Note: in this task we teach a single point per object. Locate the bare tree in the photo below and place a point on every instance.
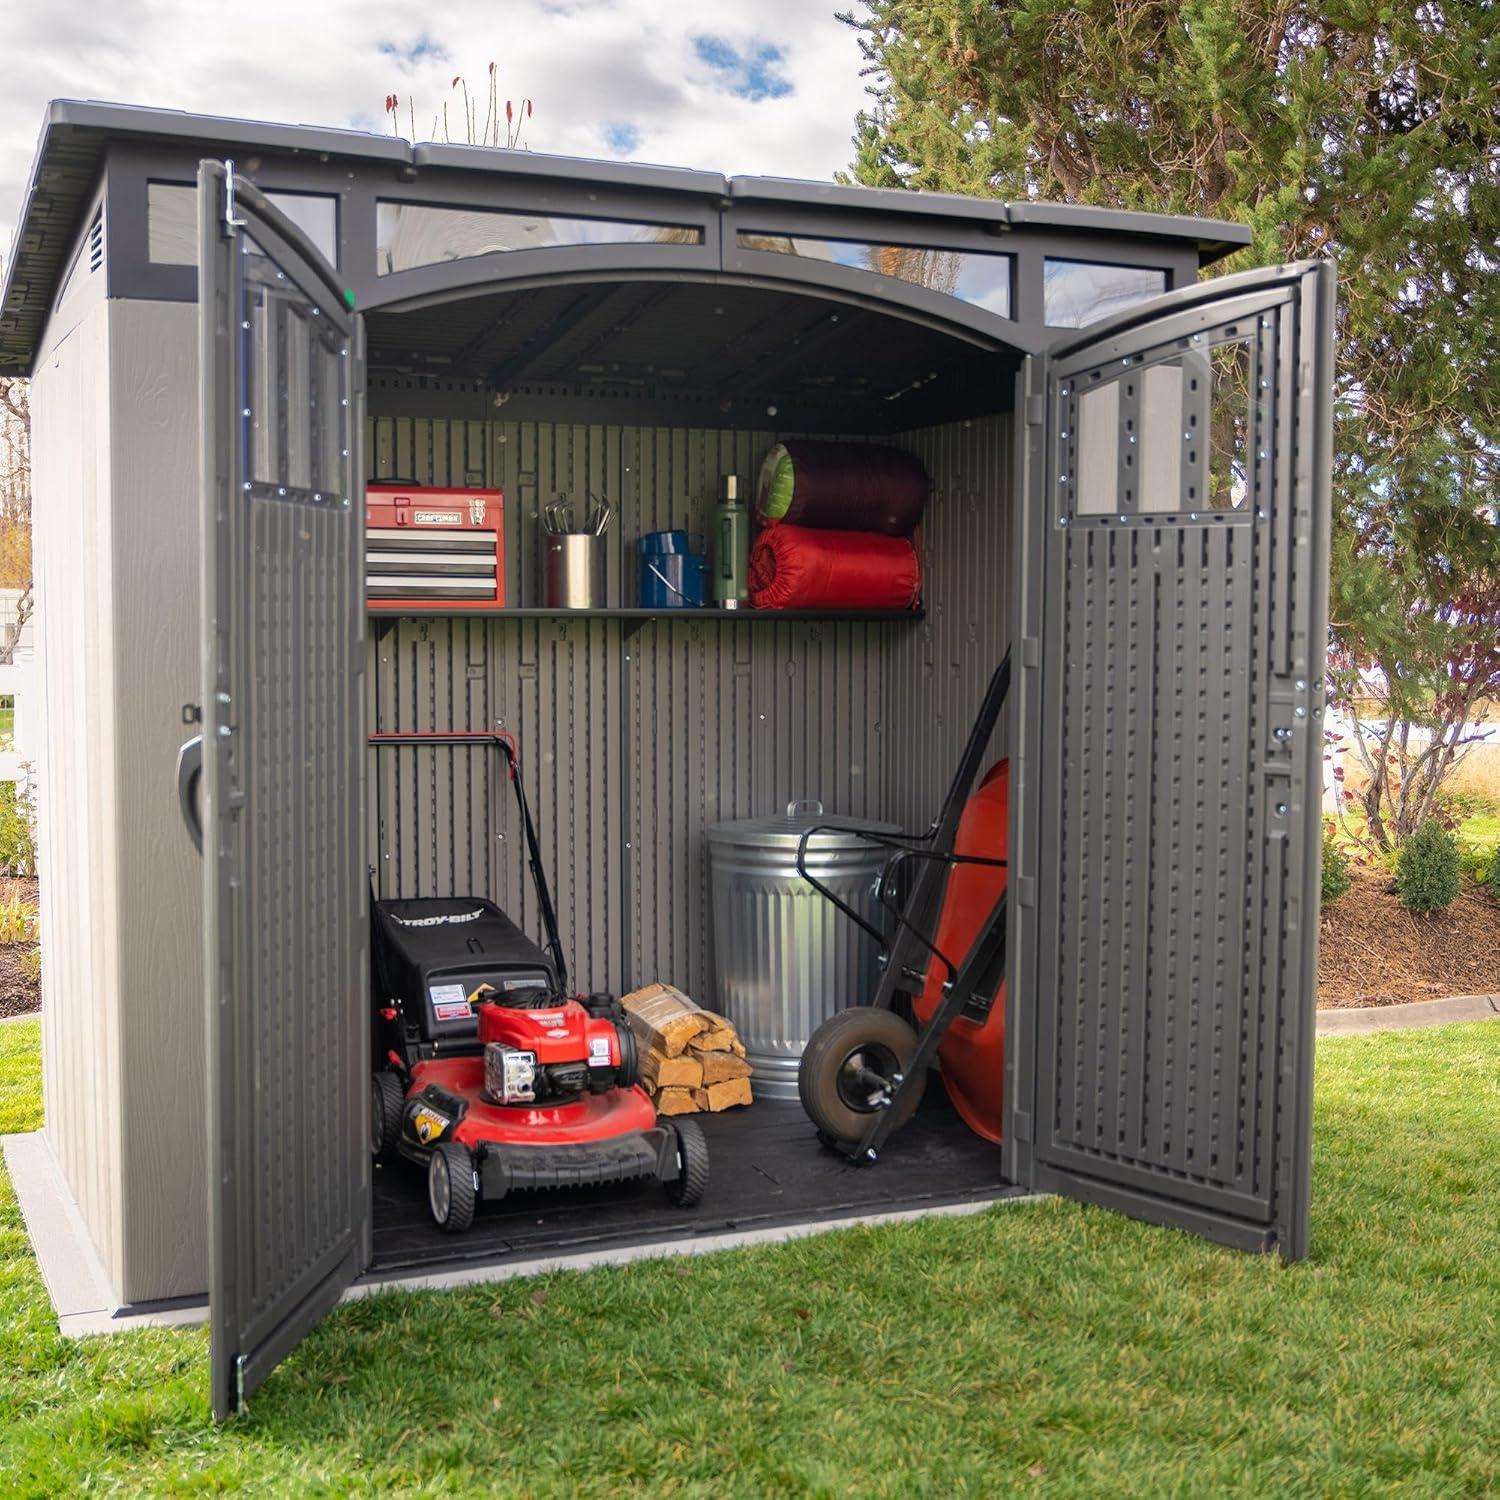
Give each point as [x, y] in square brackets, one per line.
[15, 504]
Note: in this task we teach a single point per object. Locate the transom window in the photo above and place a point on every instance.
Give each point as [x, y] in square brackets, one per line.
[409, 235]
[978, 277]
[1080, 292]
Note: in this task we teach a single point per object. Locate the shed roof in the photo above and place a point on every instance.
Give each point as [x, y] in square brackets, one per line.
[75, 135]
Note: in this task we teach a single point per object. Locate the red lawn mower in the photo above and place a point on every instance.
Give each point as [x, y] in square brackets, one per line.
[492, 1076]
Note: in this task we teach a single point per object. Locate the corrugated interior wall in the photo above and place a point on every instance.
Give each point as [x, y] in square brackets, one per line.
[636, 736]
[936, 674]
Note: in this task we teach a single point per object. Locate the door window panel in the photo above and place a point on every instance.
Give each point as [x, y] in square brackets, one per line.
[294, 382]
[1164, 437]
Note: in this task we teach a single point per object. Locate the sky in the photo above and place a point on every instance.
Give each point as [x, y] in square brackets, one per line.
[771, 87]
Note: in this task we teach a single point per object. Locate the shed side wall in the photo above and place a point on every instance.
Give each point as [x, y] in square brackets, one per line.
[158, 668]
[77, 811]
[935, 676]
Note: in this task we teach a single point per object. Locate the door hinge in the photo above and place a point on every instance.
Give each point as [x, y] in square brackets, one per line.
[1021, 1126]
[1031, 651]
[1036, 410]
[1026, 890]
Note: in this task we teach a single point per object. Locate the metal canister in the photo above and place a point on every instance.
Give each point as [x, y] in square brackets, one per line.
[573, 570]
[785, 958]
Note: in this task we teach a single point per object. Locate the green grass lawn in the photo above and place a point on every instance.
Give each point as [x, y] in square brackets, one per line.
[1044, 1347]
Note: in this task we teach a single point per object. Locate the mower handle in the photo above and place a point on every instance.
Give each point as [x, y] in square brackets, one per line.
[505, 743]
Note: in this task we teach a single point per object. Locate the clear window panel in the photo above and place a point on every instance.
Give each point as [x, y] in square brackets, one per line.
[1227, 482]
[1096, 490]
[172, 222]
[409, 235]
[1080, 292]
[294, 382]
[316, 216]
[1170, 437]
[973, 276]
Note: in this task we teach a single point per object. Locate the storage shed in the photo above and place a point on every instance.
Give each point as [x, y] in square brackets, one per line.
[1129, 477]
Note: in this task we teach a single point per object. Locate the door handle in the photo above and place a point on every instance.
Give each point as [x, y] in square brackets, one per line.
[189, 778]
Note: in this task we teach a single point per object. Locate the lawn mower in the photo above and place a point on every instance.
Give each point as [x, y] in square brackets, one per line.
[493, 1076]
[864, 1069]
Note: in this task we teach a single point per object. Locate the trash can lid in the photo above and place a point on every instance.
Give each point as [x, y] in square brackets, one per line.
[785, 830]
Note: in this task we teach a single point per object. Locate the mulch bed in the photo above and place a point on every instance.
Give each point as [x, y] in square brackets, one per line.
[1372, 951]
[18, 995]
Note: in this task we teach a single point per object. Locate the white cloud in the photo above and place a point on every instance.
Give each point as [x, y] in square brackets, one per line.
[596, 69]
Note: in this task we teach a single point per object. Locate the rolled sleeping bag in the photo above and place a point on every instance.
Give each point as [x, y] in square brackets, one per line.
[842, 487]
[793, 567]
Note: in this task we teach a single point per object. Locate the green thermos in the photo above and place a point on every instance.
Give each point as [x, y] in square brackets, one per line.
[731, 545]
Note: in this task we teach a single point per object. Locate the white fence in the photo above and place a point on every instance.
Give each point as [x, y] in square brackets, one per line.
[18, 749]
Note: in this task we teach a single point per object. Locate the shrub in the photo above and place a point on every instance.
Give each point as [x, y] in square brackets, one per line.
[31, 966]
[1335, 868]
[1488, 873]
[17, 920]
[17, 838]
[1427, 869]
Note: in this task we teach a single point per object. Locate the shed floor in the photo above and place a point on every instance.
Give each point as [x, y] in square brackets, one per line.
[768, 1171]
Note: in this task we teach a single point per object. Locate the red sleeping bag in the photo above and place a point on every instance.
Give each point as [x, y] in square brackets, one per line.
[792, 567]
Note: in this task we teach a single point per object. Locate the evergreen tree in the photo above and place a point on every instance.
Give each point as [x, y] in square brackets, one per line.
[1353, 128]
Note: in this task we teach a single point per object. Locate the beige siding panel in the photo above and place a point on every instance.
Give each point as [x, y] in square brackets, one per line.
[77, 812]
[158, 668]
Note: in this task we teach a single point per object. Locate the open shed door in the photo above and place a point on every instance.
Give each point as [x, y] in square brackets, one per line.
[283, 778]
[1173, 624]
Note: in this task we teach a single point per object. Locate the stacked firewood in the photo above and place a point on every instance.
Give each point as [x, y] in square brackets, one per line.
[691, 1060]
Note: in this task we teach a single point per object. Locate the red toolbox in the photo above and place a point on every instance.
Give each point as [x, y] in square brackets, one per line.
[426, 547]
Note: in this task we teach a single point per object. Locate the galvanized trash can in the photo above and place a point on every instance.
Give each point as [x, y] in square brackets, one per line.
[785, 958]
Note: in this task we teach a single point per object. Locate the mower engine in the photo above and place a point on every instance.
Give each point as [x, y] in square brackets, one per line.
[539, 1049]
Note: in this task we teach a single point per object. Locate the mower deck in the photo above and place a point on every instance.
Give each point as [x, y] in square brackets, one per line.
[768, 1171]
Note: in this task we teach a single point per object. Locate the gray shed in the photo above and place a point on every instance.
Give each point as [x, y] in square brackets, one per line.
[1142, 521]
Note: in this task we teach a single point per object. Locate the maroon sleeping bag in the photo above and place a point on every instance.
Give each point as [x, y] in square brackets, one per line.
[842, 487]
[792, 567]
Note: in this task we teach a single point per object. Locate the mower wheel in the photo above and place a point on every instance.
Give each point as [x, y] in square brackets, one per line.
[691, 1182]
[450, 1187]
[851, 1064]
[387, 1100]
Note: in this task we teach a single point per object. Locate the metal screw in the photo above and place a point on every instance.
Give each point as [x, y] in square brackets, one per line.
[870, 1154]
[1281, 809]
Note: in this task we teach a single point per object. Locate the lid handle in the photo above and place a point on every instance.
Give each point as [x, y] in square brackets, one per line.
[804, 805]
